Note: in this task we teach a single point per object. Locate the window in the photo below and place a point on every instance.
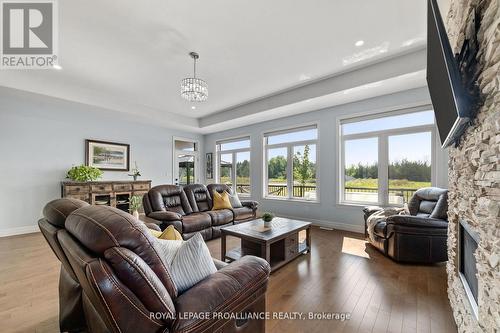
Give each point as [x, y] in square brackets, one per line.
[233, 158]
[290, 158]
[385, 159]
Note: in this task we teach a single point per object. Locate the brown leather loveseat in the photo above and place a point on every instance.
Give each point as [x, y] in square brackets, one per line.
[189, 209]
[122, 284]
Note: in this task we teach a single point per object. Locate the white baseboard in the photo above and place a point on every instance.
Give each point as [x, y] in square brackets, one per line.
[19, 230]
[330, 224]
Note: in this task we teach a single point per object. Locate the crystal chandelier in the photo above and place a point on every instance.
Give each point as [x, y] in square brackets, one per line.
[192, 88]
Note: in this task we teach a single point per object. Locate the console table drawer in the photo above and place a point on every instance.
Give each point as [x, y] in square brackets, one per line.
[140, 193]
[141, 187]
[122, 187]
[101, 188]
[83, 197]
[76, 189]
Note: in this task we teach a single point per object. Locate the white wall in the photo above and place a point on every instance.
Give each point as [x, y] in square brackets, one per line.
[328, 212]
[42, 137]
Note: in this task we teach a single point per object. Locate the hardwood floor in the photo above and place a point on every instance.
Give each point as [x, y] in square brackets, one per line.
[342, 274]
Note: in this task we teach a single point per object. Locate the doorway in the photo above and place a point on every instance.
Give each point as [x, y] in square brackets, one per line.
[186, 160]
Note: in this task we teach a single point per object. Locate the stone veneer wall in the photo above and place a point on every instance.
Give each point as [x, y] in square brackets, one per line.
[474, 174]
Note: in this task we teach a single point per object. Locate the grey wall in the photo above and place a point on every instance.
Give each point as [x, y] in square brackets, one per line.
[42, 137]
[328, 212]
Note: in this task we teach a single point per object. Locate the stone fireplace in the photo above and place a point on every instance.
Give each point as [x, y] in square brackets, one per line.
[474, 176]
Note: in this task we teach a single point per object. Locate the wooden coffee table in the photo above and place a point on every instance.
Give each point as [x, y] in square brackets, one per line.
[278, 244]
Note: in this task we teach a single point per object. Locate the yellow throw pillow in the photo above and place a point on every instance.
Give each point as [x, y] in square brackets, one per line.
[155, 233]
[170, 233]
[221, 201]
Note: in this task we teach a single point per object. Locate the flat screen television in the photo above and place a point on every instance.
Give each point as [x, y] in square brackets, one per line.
[453, 104]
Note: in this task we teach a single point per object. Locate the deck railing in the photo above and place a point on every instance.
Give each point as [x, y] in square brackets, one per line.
[281, 190]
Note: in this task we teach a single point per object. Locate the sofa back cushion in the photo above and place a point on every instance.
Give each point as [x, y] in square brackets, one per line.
[429, 202]
[220, 188]
[198, 197]
[100, 229]
[169, 198]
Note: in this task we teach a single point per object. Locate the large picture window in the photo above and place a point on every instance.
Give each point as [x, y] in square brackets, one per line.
[233, 158]
[385, 159]
[291, 160]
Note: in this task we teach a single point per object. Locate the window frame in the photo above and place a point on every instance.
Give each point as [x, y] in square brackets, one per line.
[233, 153]
[383, 152]
[289, 170]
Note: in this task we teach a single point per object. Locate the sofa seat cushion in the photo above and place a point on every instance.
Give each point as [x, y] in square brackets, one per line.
[227, 290]
[220, 217]
[196, 222]
[242, 213]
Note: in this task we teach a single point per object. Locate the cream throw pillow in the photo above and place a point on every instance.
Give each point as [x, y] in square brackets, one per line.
[189, 261]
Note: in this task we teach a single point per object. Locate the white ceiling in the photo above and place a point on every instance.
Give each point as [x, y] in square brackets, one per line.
[131, 55]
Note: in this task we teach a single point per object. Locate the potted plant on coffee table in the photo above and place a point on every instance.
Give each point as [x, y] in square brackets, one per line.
[267, 217]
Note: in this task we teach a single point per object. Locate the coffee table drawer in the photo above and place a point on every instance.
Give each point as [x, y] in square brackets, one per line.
[292, 240]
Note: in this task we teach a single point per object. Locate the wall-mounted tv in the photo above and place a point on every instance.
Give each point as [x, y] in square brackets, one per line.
[447, 76]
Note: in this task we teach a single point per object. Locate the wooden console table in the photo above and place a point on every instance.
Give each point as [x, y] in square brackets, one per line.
[278, 244]
[109, 193]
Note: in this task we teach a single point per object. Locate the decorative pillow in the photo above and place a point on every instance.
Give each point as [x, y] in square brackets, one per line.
[190, 261]
[221, 201]
[235, 201]
[170, 233]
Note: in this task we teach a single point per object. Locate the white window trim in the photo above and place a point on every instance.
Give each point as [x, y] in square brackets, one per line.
[383, 152]
[289, 170]
[233, 153]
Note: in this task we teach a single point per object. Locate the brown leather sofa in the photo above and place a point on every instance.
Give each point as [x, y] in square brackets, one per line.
[420, 237]
[189, 209]
[119, 283]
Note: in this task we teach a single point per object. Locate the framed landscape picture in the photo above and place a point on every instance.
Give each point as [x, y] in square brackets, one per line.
[107, 155]
[210, 165]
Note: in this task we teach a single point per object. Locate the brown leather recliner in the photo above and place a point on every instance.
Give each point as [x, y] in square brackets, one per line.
[71, 315]
[71, 318]
[201, 201]
[247, 212]
[169, 205]
[127, 287]
[420, 237]
[188, 209]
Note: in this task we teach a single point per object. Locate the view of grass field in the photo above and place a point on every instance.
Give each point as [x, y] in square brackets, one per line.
[393, 183]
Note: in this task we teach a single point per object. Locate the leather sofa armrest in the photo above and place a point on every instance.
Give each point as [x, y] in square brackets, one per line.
[369, 210]
[152, 226]
[416, 221]
[250, 203]
[219, 264]
[242, 281]
[165, 216]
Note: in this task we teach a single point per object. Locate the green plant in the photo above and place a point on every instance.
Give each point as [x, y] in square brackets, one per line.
[135, 203]
[84, 173]
[135, 172]
[267, 217]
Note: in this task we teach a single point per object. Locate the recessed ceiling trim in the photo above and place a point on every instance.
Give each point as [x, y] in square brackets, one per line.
[388, 68]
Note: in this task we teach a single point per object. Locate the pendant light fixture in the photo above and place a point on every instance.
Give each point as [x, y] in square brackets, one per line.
[194, 89]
